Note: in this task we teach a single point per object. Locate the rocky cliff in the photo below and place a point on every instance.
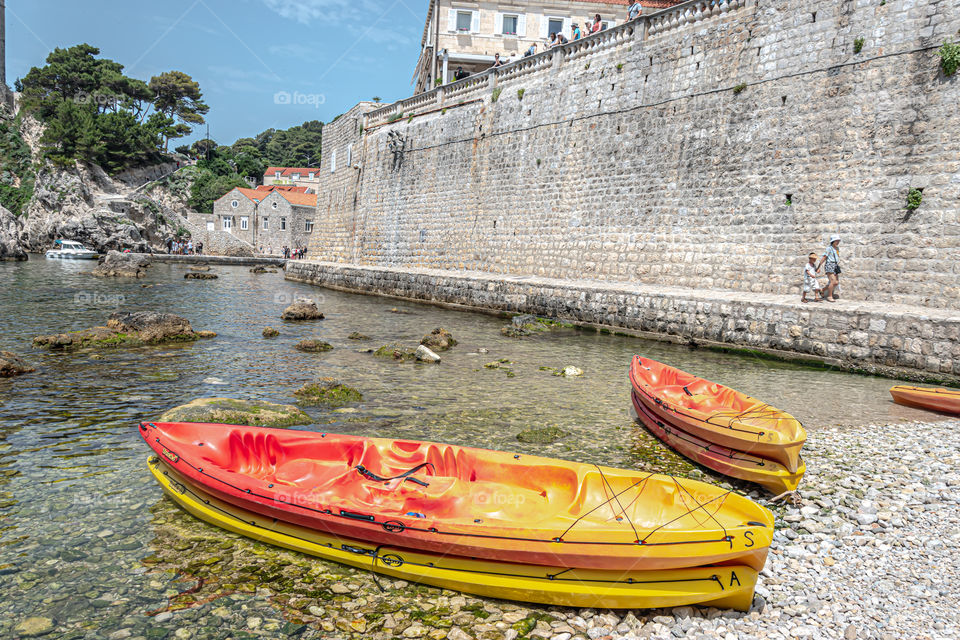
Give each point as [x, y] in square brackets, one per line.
[83, 203]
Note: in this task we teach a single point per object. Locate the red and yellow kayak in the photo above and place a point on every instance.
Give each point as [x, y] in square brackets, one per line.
[727, 586]
[945, 400]
[718, 414]
[474, 503]
[736, 464]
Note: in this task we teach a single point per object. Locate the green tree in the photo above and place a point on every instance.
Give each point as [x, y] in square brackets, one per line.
[178, 96]
[209, 187]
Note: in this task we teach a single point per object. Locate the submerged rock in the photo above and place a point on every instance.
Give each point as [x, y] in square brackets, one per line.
[257, 413]
[395, 352]
[193, 275]
[302, 310]
[200, 267]
[13, 365]
[126, 329]
[311, 345]
[270, 332]
[327, 391]
[34, 626]
[356, 335]
[439, 339]
[526, 325]
[424, 354]
[545, 435]
[121, 265]
[260, 268]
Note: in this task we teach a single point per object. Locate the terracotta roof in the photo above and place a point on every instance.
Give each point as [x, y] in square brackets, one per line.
[301, 199]
[288, 171]
[281, 187]
[253, 194]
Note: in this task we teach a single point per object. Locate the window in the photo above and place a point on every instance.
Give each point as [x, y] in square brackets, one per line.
[310, 176]
[349, 155]
[308, 226]
[235, 204]
[296, 176]
[510, 25]
[266, 224]
[464, 20]
[210, 226]
[554, 25]
[283, 224]
[278, 174]
[227, 223]
[273, 204]
[243, 222]
[333, 161]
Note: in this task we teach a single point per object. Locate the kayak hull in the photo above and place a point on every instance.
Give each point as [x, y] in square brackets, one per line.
[718, 414]
[719, 586]
[943, 400]
[468, 502]
[767, 473]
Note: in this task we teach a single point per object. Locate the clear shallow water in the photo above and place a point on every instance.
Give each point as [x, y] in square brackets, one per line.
[85, 537]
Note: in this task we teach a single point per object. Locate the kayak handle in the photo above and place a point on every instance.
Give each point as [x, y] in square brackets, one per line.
[357, 516]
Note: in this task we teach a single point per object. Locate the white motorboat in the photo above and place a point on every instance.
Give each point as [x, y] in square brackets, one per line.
[70, 250]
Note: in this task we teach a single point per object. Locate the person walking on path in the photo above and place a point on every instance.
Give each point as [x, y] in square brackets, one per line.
[810, 282]
[831, 262]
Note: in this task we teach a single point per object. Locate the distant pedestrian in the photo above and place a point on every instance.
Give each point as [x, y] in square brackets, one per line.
[810, 282]
[575, 32]
[497, 62]
[169, 245]
[532, 51]
[461, 74]
[597, 25]
[634, 11]
[199, 248]
[831, 262]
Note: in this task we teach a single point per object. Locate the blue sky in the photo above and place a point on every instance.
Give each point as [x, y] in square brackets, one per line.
[260, 63]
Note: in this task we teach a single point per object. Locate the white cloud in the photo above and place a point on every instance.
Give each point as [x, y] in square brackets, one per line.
[332, 12]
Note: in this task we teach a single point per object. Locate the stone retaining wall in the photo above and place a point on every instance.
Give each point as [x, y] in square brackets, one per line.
[902, 342]
[713, 145]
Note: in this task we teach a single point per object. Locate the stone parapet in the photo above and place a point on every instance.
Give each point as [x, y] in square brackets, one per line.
[899, 341]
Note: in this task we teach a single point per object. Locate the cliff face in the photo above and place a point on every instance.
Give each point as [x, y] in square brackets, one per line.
[85, 204]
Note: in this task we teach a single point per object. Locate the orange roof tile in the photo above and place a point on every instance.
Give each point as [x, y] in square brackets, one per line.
[281, 187]
[300, 199]
[253, 194]
[288, 171]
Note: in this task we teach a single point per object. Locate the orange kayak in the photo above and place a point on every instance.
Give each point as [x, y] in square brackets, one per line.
[945, 400]
[473, 503]
[736, 464]
[718, 414]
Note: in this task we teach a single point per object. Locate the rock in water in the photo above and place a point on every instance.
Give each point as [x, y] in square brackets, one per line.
[424, 354]
[327, 391]
[262, 269]
[302, 310]
[200, 267]
[193, 275]
[439, 339]
[571, 371]
[121, 265]
[257, 413]
[33, 626]
[270, 332]
[356, 335]
[13, 365]
[11, 247]
[313, 346]
[126, 329]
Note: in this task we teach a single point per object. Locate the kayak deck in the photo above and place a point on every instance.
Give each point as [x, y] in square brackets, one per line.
[719, 586]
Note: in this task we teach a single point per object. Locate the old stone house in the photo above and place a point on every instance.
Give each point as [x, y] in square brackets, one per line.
[268, 219]
[467, 35]
[308, 177]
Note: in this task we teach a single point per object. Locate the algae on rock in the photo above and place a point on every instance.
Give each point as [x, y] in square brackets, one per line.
[257, 413]
[327, 391]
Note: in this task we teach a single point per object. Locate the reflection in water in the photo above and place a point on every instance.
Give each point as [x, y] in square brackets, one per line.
[77, 541]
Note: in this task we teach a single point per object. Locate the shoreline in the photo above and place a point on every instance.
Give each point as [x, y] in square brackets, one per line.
[903, 343]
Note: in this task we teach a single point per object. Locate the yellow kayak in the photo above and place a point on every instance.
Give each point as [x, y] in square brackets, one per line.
[729, 586]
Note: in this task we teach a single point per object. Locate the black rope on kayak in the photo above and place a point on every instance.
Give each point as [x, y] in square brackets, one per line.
[605, 502]
[636, 536]
[701, 506]
[370, 475]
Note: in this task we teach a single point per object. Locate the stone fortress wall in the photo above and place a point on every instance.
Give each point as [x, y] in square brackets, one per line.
[710, 146]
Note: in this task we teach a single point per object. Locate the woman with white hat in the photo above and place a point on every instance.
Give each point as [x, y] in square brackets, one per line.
[832, 260]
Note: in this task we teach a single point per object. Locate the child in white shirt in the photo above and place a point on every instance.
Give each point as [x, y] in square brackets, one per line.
[810, 282]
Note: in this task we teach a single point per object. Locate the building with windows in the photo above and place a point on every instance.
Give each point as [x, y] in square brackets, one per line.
[268, 218]
[308, 177]
[467, 35]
